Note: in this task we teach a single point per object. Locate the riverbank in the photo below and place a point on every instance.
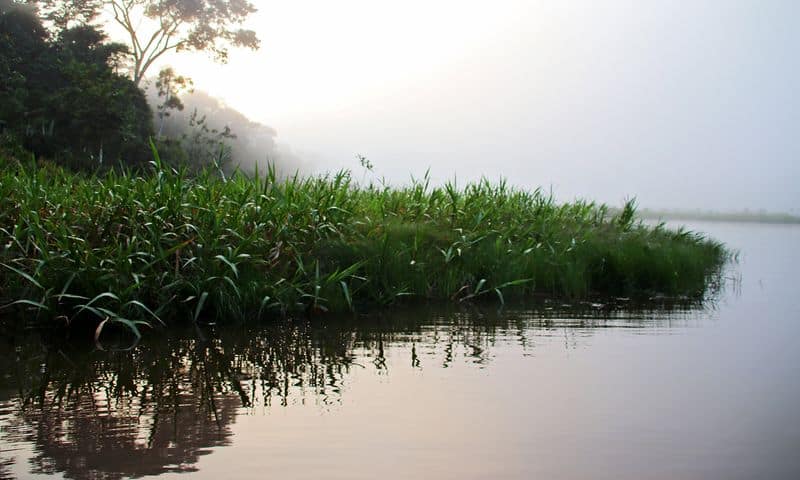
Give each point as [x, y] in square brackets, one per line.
[164, 247]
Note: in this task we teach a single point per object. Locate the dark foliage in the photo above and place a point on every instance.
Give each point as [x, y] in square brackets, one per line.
[60, 97]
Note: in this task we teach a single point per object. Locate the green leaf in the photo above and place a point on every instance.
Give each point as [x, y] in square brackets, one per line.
[27, 302]
[514, 283]
[143, 307]
[500, 296]
[230, 264]
[347, 296]
[23, 275]
[264, 301]
[98, 297]
[479, 286]
[200, 304]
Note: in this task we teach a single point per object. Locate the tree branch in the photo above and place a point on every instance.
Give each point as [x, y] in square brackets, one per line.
[212, 19]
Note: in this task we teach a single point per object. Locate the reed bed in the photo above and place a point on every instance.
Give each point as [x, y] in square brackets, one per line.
[160, 247]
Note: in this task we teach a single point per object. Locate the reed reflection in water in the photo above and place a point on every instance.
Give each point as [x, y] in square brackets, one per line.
[90, 413]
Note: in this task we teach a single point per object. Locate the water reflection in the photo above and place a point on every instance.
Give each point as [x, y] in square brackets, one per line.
[88, 413]
[113, 415]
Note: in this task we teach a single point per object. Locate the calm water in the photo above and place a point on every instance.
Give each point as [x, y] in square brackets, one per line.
[562, 392]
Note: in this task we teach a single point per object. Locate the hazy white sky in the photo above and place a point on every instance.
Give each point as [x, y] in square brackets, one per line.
[683, 104]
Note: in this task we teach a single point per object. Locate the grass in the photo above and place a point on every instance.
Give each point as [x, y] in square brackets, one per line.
[163, 247]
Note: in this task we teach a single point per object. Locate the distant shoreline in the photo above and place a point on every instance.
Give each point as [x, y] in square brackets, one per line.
[742, 217]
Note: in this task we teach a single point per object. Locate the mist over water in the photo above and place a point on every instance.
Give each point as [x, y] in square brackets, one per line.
[681, 104]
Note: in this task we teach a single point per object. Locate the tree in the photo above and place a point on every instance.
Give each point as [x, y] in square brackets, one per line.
[156, 27]
[62, 15]
[182, 25]
[169, 86]
[99, 114]
[23, 44]
[60, 97]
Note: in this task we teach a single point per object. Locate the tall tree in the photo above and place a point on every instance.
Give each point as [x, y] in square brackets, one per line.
[156, 27]
[182, 25]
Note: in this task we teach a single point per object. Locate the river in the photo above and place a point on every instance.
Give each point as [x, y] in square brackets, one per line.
[597, 390]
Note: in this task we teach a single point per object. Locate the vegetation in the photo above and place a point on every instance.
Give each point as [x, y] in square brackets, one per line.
[155, 28]
[66, 95]
[133, 249]
[200, 127]
[190, 240]
[61, 98]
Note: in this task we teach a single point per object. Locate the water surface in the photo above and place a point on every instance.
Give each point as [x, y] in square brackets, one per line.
[604, 390]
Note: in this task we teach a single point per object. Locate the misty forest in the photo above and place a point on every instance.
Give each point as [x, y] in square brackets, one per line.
[166, 264]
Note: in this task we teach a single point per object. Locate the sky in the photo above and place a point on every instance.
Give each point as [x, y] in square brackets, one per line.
[681, 104]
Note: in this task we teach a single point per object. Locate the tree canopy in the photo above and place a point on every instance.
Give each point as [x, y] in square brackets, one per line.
[69, 94]
[61, 98]
[154, 28]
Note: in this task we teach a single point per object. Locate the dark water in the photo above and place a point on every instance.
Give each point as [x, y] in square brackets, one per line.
[586, 391]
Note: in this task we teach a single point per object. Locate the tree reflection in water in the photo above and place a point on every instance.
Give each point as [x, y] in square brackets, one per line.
[89, 413]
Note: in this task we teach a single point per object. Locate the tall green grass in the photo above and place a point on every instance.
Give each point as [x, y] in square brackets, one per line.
[161, 247]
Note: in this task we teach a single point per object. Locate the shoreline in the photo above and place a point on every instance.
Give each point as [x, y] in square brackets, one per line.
[156, 248]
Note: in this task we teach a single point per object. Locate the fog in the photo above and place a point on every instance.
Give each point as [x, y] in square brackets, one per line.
[253, 146]
[680, 104]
